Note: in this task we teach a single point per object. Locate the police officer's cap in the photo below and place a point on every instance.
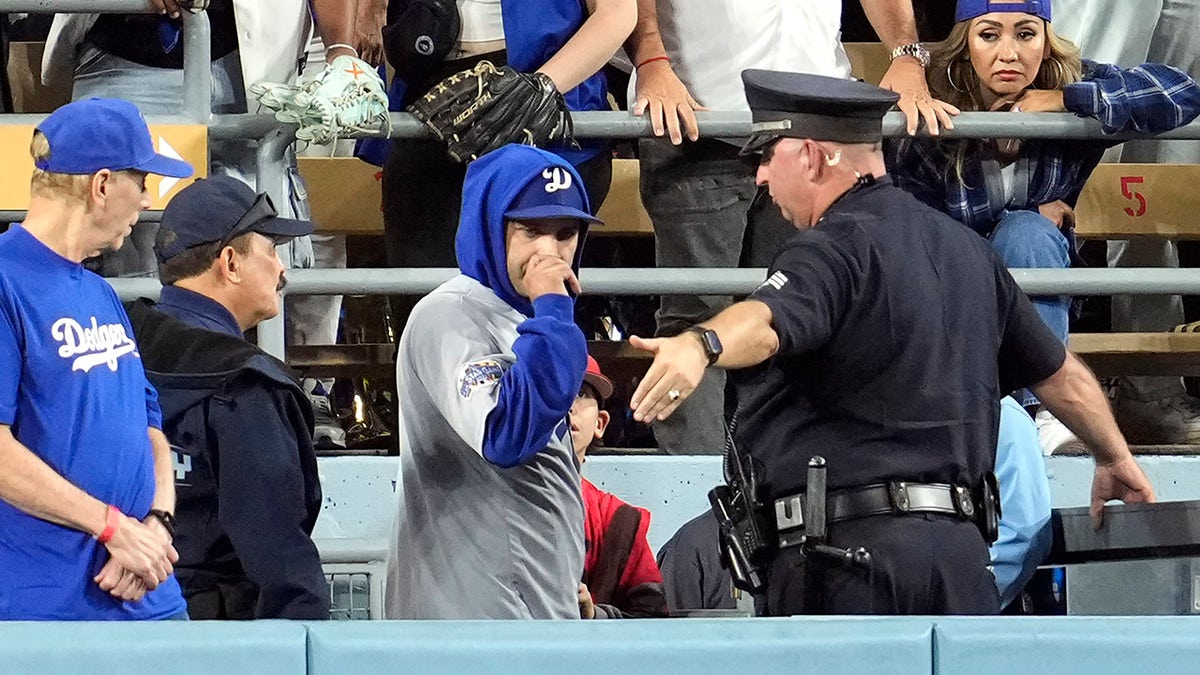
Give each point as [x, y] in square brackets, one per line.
[820, 108]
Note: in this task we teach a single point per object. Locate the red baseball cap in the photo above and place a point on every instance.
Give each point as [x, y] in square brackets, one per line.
[594, 377]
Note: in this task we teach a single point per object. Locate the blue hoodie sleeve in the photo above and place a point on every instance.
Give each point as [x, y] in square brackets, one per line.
[537, 391]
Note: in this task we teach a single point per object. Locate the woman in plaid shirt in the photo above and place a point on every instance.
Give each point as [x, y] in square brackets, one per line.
[1004, 55]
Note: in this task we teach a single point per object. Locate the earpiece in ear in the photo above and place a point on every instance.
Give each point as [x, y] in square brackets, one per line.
[834, 160]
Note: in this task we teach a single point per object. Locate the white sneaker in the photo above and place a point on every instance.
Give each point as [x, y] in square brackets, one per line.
[327, 431]
[1055, 437]
[1171, 420]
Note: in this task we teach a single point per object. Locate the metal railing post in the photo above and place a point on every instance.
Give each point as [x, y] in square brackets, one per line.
[272, 179]
[197, 68]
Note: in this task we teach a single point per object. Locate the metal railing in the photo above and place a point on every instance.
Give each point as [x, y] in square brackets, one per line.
[274, 138]
[656, 281]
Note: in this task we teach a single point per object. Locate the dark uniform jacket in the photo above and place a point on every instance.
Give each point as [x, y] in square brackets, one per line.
[246, 475]
[899, 331]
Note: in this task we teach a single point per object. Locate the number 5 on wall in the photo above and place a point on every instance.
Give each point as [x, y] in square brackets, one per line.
[1132, 194]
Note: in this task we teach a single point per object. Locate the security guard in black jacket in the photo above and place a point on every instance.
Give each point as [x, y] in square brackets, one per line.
[874, 358]
[238, 421]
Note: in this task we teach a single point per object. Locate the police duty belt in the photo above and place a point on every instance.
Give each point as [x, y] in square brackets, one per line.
[879, 499]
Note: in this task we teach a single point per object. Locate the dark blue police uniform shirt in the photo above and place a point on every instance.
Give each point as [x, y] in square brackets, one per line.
[899, 331]
[197, 310]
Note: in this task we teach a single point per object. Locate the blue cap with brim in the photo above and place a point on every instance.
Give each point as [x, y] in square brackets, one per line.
[553, 194]
[969, 9]
[218, 209]
[103, 133]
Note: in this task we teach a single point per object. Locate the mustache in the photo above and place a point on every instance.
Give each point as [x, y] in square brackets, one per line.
[283, 282]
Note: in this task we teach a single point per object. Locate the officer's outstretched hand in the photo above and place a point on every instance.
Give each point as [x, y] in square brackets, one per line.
[1123, 480]
[679, 364]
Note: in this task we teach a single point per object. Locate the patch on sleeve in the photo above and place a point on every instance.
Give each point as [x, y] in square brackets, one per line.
[776, 281]
[479, 374]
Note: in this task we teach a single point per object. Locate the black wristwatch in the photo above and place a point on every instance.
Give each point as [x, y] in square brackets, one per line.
[710, 342]
[167, 520]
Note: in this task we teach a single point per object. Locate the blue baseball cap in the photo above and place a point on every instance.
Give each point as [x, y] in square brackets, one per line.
[969, 9]
[218, 209]
[554, 192]
[103, 133]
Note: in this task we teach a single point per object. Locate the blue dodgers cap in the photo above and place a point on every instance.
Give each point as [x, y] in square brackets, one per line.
[103, 133]
[554, 192]
[218, 209]
[969, 9]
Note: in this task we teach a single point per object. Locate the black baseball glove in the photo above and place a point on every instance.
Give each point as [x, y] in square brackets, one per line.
[479, 110]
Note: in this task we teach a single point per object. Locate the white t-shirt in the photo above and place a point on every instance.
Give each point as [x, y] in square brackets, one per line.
[1008, 179]
[711, 42]
[481, 20]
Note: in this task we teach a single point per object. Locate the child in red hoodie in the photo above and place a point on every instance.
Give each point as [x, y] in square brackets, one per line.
[620, 576]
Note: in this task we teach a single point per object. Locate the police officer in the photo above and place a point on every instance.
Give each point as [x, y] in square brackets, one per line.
[882, 340]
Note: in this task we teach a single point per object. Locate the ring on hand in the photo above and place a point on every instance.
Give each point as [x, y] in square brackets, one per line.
[674, 395]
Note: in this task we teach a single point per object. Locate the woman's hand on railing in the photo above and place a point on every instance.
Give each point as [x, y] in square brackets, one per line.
[907, 78]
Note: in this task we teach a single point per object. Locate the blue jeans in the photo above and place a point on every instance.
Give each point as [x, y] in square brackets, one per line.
[1027, 239]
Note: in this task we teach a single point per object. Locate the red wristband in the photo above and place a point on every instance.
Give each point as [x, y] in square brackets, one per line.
[112, 520]
[653, 59]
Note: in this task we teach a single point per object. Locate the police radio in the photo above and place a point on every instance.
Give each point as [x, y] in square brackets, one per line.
[748, 538]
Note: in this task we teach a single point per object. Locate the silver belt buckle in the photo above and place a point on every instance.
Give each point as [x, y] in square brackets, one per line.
[789, 520]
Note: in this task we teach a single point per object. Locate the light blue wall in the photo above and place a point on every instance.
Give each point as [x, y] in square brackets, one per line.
[825, 645]
[360, 501]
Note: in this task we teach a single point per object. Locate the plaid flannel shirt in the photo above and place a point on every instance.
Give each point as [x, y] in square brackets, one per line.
[1149, 98]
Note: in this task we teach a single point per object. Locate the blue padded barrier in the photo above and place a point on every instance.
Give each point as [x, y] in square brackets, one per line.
[1075, 644]
[161, 647]
[660, 647]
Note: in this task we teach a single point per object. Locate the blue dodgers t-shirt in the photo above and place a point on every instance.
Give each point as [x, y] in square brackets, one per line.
[73, 390]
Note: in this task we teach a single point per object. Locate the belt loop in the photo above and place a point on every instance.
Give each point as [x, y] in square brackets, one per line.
[898, 492]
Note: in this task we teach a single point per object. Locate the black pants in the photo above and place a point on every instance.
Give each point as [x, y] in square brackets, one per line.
[920, 564]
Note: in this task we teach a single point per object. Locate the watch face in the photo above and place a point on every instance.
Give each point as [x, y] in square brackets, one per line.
[712, 344]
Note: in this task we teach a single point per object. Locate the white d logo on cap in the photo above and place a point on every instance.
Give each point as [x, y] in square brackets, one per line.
[557, 179]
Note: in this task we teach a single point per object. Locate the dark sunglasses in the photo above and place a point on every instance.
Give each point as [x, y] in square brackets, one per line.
[260, 210]
[768, 151]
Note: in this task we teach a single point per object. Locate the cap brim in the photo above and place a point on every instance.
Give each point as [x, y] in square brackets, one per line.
[603, 385]
[162, 165]
[552, 212]
[283, 228]
[757, 142]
